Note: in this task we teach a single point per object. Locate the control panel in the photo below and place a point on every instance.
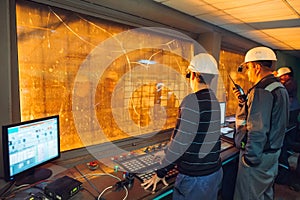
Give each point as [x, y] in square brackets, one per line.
[144, 164]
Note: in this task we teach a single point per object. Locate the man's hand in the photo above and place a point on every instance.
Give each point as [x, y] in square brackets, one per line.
[238, 95]
[153, 181]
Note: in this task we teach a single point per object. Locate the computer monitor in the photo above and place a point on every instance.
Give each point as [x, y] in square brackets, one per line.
[28, 145]
[223, 112]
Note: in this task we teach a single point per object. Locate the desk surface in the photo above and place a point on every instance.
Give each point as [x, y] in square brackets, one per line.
[99, 180]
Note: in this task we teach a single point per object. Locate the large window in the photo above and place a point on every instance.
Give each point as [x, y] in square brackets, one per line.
[105, 81]
[228, 64]
[53, 47]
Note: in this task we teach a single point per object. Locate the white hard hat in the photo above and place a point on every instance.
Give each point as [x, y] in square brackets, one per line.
[204, 63]
[283, 70]
[260, 53]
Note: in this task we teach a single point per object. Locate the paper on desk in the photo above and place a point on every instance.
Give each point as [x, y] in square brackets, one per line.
[225, 130]
[230, 135]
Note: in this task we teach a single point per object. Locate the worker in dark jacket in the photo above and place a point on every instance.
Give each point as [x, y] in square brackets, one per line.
[261, 120]
[292, 138]
[285, 76]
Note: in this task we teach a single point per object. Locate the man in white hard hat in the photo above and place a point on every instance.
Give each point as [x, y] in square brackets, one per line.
[292, 137]
[195, 144]
[285, 76]
[283, 71]
[261, 120]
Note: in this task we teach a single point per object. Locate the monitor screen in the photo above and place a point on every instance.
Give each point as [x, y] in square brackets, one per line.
[223, 112]
[28, 145]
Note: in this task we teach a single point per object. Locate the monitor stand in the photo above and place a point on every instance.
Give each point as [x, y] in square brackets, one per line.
[33, 176]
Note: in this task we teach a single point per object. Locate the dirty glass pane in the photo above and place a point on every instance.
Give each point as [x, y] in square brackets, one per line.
[117, 95]
[228, 65]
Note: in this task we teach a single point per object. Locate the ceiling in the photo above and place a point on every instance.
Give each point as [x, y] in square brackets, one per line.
[274, 23]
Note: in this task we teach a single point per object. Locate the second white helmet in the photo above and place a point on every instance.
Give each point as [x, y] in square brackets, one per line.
[204, 63]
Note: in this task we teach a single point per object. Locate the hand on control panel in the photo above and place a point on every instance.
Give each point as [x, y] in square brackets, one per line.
[153, 181]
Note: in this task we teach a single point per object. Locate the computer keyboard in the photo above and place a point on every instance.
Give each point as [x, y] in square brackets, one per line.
[143, 166]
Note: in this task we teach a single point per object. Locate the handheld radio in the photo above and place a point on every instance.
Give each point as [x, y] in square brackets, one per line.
[239, 88]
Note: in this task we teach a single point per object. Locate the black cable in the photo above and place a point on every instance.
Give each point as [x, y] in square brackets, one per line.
[95, 188]
[11, 193]
[6, 188]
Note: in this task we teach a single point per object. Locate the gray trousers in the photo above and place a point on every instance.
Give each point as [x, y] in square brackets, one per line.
[256, 183]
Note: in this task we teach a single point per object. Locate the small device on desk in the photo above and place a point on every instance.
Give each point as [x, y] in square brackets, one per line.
[63, 188]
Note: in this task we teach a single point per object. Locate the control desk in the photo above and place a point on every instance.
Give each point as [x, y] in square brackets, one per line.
[120, 176]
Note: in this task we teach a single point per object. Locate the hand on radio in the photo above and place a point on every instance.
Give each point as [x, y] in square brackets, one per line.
[238, 95]
[153, 181]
